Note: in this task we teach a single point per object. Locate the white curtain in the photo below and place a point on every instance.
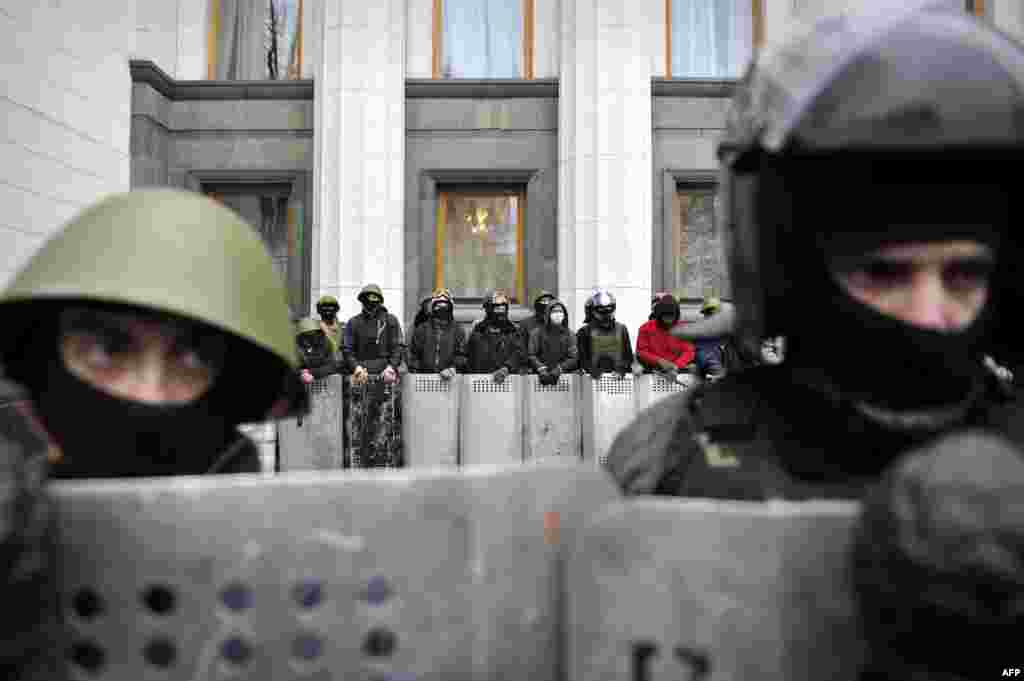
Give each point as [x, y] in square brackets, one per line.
[711, 38]
[249, 39]
[482, 39]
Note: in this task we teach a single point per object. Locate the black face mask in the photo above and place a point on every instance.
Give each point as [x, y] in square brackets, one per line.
[442, 313]
[106, 436]
[500, 313]
[541, 307]
[328, 314]
[605, 320]
[314, 348]
[370, 307]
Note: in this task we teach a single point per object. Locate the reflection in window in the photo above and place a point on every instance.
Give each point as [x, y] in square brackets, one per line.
[710, 38]
[481, 39]
[278, 218]
[698, 248]
[479, 245]
[256, 39]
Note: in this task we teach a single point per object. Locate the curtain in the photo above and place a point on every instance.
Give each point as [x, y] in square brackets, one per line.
[482, 39]
[711, 38]
[259, 40]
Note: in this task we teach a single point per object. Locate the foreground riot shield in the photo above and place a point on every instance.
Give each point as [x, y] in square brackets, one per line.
[264, 436]
[430, 420]
[428, 575]
[551, 415]
[316, 439]
[491, 420]
[717, 591]
[606, 407]
[374, 424]
[652, 388]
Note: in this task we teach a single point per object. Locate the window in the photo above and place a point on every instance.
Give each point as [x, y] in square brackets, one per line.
[711, 38]
[255, 40]
[975, 7]
[480, 243]
[698, 250]
[483, 39]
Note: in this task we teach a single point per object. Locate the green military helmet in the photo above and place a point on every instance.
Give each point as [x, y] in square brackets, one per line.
[327, 300]
[367, 290]
[166, 250]
[541, 294]
[305, 325]
[711, 304]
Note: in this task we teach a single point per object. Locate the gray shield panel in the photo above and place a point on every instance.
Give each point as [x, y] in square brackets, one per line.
[716, 591]
[652, 388]
[342, 575]
[491, 422]
[314, 441]
[551, 413]
[430, 426]
[606, 407]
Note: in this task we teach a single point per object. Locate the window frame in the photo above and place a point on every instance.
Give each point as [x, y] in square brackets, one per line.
[527, 49]
[757, 33]
[213, 41]
[975, 7]
[674, 181]
[441, 227]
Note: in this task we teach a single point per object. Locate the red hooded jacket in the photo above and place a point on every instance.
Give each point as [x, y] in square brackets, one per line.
[654, 343]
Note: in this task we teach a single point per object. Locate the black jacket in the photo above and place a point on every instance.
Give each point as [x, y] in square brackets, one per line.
[624, 347]
[493, 345]
[436, 346]
[553, 346]
[767, 433]
[373, 341]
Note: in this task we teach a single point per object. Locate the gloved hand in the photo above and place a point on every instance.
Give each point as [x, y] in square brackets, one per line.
[389, 375]
[500, 375]
[684, 379]
[360, 376]
[307, 377]
[556, 371]
[595, 374]
[666, 365]
[447, 374]
[671, 375]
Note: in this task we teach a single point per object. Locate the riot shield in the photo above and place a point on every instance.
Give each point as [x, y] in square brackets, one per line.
[430, 420]
[491, 420]
[671, 589]
[374, 424]
[652, 388]
[316, 439]
[430, 575]
[606, 407]
[551, 414]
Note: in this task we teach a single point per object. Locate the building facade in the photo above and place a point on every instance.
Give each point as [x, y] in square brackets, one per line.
[471, 144]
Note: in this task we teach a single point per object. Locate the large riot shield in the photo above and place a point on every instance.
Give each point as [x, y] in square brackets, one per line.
[374, 424]
[652, 388]
[430, 420]
[491, 421]
[315, 440]
[551, 416]
[430, 575]
[670, 589]
[264, 436]
[606, 407]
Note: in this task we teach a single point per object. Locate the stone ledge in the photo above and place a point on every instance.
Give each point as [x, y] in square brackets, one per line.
[682, 87]
[507, 88]
[144, 71]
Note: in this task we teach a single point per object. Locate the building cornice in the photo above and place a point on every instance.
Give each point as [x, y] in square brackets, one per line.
[145, 71]
[683, 87]
[502, 88]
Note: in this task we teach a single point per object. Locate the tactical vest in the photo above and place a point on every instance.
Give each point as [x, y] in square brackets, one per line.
[606, 348]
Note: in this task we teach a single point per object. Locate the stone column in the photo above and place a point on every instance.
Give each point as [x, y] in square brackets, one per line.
[360, 152]
[604, 147]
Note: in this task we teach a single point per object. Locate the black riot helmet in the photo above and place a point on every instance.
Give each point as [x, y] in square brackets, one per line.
[496, 306]
[602, 305]
[860, 134]
[541, 302]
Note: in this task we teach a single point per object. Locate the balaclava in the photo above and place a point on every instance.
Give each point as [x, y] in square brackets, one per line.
[667, 305]
[314, 347]
[557, 315]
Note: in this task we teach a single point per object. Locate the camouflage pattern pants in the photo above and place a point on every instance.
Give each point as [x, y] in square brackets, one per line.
[374, 425]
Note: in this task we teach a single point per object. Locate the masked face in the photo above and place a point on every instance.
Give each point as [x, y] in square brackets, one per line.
[557, 317]
[666, 321]
[328, 313]
[313, 346]
[500, 312]
[442, 311]
[604, 317]
[371, 303]
[541, 306]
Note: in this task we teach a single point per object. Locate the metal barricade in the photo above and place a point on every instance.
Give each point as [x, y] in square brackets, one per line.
[491, 420]
[430, 425]
[606, 407]
[713, 590]
[430, 574]
[652, 388]
[551, 414]
[316, 440]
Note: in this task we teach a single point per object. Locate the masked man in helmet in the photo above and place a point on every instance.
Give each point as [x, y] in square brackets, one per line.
[127, 368]
[317, 357]
[494, 344]
[552, 349]
[374, 349]
[659, 350]
[604, 344]
[439, 346]
[327, 307]
[526, 326]
[869, 193]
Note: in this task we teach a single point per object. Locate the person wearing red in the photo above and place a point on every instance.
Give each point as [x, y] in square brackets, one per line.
[660, 351]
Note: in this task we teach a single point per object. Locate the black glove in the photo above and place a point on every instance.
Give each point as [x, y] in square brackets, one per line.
[500, 375]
